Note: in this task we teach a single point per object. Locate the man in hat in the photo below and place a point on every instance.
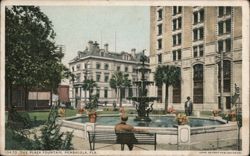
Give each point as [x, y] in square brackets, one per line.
[128, 137]
[188, 106]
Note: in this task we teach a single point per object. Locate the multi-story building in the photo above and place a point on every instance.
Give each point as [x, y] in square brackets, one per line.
[99, 65]
[196, 39]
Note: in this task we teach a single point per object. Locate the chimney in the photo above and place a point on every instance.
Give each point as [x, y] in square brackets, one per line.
[106, 47]
[96, 46]
[91, 46]
[133, 52]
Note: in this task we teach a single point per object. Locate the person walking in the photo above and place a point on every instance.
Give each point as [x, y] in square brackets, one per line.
[188, 106]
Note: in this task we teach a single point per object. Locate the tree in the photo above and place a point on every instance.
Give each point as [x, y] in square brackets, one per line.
[32, 60]
[168, 75]
[51, 138]
[119, 82]
[89, 85]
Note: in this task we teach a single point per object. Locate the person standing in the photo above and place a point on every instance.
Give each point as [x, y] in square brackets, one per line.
[188, 106]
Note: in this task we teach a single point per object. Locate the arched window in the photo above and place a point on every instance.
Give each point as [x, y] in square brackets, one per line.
[177, 92]
[198, 83]
[226, 76]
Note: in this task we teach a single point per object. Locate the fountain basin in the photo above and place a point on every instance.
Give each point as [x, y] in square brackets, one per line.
[156, 121]
[213, 129]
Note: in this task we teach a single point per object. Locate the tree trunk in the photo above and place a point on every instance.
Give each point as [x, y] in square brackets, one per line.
[9, 100]
[26, 96]
[120, 97]
[166, 98]
[51, 97]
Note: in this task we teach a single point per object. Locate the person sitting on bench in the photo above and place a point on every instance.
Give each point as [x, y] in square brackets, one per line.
[124, 138]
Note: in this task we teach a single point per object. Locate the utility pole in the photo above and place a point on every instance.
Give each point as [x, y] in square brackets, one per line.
[85, 78]
[221, 80]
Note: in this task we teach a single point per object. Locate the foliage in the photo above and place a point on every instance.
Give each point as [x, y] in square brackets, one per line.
[89, 85]
[232, 115]
[51, 138]
[16, 141]
[119, 81]
[18, 121]
[168, 75]
[181, 119]
[31, 56]
[216, 112]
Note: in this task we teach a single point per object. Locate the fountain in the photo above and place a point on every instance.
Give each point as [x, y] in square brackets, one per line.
[142, 106]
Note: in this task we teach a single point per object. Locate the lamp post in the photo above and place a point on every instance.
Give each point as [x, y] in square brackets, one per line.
[221, 80]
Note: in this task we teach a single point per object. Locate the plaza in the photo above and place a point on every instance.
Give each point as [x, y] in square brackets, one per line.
[177, 87]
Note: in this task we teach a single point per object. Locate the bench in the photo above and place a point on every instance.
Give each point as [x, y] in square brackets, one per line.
[110, 137]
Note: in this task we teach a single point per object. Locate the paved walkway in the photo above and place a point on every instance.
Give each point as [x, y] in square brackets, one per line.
[82, 144]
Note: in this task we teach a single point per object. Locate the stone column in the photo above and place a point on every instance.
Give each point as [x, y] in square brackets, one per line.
[184, 133]
[88, 127]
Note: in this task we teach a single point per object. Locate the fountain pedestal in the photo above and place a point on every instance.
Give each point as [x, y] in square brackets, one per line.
[184, 132]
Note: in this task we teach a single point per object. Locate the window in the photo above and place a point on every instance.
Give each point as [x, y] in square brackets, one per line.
[106, 78]
[98, 65]
[224, 11]
[177, 10]
[159, 94]
[176, 55]
[224, 27]
[118, 68]
[177, 39]
[78, 67]
[159, 29]
[198, 51]
[228, 10]
[126, 69]
[220, 25]
[226, 76]
[228, 26]
[198, 34]
[159, 58]
[159, 41]
[201, 50]
[106, 66]
[195, 34]
[73, 69]
[198, 83]
[221, 11]
[105, 92]
[195, 51]
[78, 76]
[134, 70]
[98, 77]
[177, 24]
[177, 92]
[198, 16]
[224, 45]
[159, 14]
[228, 102]
[98, 92]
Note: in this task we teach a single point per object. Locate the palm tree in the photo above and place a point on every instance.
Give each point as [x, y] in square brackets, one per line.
[89, 85]
[119, 81]
[168, 75]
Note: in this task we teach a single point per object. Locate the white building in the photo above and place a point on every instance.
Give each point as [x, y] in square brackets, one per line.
[99, 65]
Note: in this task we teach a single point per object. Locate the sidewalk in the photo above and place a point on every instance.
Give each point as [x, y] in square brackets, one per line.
[82, 144]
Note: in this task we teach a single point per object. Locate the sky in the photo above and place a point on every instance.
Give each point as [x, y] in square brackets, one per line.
[127, 26]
